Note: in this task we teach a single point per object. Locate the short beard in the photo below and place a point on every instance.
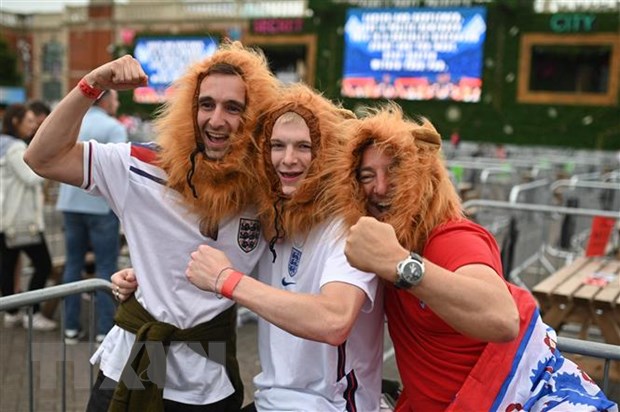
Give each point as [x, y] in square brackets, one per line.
[209, 154]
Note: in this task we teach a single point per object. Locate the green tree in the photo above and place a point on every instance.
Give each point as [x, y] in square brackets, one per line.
[9, 76]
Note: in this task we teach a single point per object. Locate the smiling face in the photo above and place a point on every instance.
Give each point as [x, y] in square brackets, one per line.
[291, 150]
[374, 177]
[221, 103]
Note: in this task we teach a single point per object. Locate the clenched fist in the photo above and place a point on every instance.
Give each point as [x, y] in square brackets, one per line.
[124, 284]
[372, 246]
[124, 73]
[205, 266]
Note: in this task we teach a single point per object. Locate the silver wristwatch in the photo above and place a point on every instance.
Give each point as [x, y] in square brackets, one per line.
[409, 272]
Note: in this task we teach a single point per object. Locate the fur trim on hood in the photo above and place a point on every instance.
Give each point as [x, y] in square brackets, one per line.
[422, 197]
[222, 187]
[283, 215]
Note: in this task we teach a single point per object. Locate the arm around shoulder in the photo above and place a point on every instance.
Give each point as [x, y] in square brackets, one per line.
[327, 317]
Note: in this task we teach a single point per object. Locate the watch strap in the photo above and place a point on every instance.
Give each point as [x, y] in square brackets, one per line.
[401, 281]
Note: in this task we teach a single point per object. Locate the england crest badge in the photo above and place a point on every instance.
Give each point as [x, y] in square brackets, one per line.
[293, 261]
[248, 234]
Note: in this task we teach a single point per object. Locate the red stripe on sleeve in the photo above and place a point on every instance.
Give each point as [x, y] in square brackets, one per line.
[143, 153]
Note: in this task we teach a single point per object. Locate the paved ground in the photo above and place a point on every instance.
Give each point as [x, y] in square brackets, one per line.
[48, 374]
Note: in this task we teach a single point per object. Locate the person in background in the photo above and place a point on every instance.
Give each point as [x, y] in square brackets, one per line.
[321, 321]
[464, 338]
[41, 110]
[3, 107]
[21, 223]
[500, 151]
[194, 186]
[88, 220]
[455, 139]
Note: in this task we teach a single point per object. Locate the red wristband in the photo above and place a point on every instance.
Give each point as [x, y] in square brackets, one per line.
[231, 283]
[88, 90]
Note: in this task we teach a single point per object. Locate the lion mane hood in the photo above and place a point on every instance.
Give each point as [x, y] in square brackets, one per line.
[283, 215]
[222, 187]
[422, 195]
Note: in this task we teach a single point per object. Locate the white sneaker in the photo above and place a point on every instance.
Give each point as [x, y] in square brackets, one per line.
[12, 320]
[40, 322]
[73, 336]
[98, 340]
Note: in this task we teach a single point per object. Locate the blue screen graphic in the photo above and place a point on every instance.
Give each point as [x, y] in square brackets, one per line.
[165, 59]
[414, 53]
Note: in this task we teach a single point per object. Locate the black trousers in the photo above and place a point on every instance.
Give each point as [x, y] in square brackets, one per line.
[38, 254]
[100, 399]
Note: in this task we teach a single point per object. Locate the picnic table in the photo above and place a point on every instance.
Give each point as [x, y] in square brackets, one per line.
[586, 292]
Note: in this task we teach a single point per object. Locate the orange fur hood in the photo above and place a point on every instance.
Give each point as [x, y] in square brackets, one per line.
[223, 187]
[283, 215]
[422, 195]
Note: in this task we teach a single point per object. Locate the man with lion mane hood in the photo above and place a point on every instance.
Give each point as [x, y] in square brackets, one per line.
[195, 186]
[464, 338]
[321, 321]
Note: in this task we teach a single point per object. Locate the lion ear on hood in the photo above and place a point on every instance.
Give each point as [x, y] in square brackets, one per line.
[425, 137]
[346, 114]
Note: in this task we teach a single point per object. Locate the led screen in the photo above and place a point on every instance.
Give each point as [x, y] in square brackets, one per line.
[11, 95]
[166, 59]
[414, 53]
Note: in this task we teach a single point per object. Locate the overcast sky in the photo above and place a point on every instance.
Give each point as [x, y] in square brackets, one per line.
[34, 6]
[41, 6]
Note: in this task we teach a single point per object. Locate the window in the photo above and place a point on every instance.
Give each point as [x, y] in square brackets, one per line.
[576, 69]
[52, 90]
[52, 58]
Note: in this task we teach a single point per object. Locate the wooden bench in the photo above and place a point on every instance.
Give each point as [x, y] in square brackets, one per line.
[587, 292]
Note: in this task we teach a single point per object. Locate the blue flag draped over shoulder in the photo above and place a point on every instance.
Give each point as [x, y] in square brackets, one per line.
[529, 373]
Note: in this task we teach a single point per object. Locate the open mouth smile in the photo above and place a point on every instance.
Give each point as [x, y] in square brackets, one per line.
[382, 207]
[217, 139]
[378, 208]
[289, 176]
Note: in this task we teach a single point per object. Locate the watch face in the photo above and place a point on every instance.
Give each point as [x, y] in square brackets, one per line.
[411, 272]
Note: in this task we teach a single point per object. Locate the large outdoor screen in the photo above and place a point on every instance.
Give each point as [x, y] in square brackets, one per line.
[165, 59]
[414, 53]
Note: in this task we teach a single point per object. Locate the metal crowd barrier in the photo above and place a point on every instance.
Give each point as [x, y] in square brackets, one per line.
[548, 209]
[572, 183]
[583, 191]
[27, 299]
[593, 349]
[603, 351]
[540, 255]
[526, 188]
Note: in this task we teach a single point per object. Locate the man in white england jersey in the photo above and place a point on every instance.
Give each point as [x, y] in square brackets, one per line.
[194, 187]
[321, 326]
